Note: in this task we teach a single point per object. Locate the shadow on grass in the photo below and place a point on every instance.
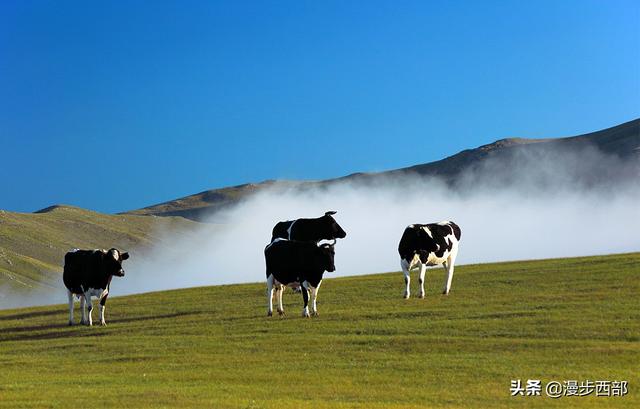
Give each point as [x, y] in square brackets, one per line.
[57, 330]
[155, 317]
[27, 315]
[34, 332]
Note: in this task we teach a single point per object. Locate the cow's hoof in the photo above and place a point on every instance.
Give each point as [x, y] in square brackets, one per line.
[315, 314]
[445, 292]
[421, 296]
[406, 296]
[84, 323]
[281, 313]
[71, 323]
[104, 324]
[270, 314]
[305, 314]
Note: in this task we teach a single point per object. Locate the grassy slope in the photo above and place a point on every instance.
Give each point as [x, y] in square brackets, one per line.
[213, 346]
[32, 245]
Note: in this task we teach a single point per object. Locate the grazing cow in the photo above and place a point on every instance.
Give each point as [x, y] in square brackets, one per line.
[88, 273]
[297, 262]
[311, 230]
[429, 245]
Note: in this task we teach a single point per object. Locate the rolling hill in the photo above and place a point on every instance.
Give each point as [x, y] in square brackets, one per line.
[548, 320]
[32, 245]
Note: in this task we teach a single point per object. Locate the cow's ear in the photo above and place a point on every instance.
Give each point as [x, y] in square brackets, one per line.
[124, 256]
[330, 213]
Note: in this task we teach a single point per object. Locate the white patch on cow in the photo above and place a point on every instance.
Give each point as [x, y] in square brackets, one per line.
[70, 295]
[426, 229]
[280, 290]
[289, 229]
[449, 265]
[83, 304]
[404, 264]
[314, 295]
[115, 254]
[423, 270]
[101, 308]
[270, 280]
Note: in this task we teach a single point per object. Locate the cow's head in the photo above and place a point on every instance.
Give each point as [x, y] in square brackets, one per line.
[332, 229]
[113, 262]
[328, 254]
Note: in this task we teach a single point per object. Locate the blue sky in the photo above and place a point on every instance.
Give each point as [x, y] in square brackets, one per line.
[118, 105]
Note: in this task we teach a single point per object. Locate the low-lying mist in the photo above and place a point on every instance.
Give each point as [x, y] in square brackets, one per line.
[539, 206]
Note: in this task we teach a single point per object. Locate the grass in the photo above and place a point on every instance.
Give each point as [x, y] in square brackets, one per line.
[565, 319]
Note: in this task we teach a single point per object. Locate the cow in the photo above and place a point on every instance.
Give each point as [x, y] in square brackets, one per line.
[301, 262]
[429, 245]
[88, 273]
[310, 230]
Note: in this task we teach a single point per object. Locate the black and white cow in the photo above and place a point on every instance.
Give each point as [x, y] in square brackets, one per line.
[311, 230]
[88, 273]
[429, 245]
[297, 261]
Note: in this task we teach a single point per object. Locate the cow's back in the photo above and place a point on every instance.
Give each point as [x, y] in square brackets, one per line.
[281, 230]
[433, 241]
[79, 267]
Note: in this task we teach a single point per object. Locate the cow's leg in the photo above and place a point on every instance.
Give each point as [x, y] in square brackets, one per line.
[314, 294]
[423, 270]
[83, 303]
[305, 298]
[70, 295]
[89, 305]
[449, 267]
[270, 295]
[101, 307]
[280, 288]
[407, 278]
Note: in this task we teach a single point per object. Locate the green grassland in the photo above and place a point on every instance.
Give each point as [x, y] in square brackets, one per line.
[32, 245]
[214, 347]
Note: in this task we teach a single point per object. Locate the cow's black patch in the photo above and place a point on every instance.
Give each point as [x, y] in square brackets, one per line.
[311, 230]
[84, 269]
[281, 230]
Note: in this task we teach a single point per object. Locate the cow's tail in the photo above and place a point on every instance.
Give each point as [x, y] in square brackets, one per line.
[456, 230]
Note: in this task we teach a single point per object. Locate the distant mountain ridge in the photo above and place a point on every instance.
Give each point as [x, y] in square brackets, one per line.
[621, 141]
